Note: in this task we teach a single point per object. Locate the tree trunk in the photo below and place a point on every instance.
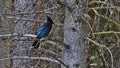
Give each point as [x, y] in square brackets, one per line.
[21, 45]
[75, 31]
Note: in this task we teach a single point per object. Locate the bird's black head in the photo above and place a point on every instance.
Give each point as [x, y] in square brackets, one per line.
[50, 20]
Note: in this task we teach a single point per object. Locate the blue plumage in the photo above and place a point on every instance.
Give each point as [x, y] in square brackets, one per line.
[43, 31]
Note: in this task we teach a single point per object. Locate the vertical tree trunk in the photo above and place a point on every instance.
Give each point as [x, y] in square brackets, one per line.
[75, 31]
[4, 28]
[21, 45]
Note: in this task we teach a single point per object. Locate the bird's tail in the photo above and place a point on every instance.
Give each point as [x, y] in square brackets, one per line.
[36, 44]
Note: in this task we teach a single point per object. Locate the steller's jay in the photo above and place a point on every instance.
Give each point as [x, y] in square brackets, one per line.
[43, 31]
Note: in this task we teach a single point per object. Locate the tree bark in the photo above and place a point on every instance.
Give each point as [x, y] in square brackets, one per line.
[21, 45]
[75, 31]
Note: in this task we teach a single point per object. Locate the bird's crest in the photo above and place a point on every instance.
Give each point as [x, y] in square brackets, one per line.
[49, 19]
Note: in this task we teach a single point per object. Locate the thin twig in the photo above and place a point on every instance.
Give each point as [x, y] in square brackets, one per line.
[16, 16]
[10, 16]
[106, 18]
[102, 58]
[43, 11]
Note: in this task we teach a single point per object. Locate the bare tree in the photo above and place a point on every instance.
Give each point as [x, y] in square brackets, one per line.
[84, 24]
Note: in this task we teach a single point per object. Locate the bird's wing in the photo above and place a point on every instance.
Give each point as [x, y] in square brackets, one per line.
[41, 29]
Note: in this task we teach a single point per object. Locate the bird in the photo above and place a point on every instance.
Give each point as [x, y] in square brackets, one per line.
[43, 31]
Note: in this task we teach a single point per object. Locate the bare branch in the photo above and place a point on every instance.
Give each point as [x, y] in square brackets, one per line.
[60, 61]
[26, 35]
[102, 46]
[106, 32]
[64, 4]
[28, 57]
[43, 11]
[15, 16]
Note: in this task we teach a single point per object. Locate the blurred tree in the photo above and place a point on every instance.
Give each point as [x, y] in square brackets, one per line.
[75, 30]
[20, 44]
